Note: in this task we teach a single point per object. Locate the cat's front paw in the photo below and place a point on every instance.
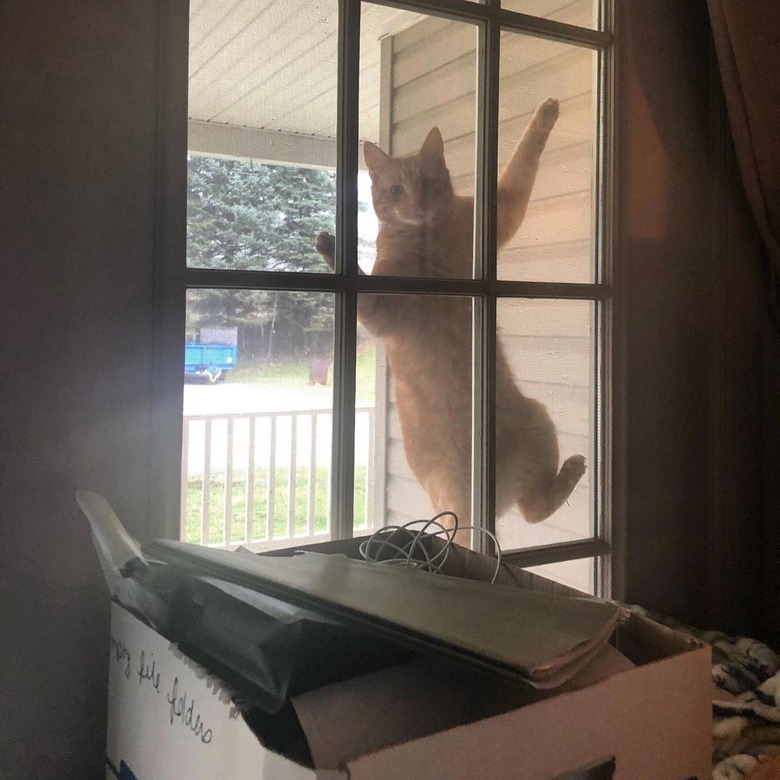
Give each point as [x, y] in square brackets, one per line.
[547, 113]
[326, 246]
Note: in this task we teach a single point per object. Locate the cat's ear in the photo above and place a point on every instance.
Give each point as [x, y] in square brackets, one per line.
[433, 145]
[375, 158]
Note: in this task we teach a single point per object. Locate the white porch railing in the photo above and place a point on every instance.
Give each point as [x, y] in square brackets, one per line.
[262, 479]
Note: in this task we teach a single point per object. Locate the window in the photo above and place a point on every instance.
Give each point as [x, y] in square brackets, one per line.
[290, 412]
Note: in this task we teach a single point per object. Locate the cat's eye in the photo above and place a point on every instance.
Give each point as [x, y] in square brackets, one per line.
[396, 189]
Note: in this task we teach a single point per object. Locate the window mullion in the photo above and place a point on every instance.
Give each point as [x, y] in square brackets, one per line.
[529, 24]
[343, 460]
[609, 344]
[484, 397]
[170, 271]
[316, 282]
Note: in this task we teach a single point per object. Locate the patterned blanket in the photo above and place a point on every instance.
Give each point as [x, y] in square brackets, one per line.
[746, 700]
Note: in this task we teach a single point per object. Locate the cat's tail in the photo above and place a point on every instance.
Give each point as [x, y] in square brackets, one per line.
[538, 505]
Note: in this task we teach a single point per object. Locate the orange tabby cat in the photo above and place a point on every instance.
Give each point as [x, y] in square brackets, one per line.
[426, 230]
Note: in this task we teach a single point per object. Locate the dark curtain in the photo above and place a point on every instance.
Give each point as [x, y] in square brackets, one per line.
[697, 419]
[747, 41]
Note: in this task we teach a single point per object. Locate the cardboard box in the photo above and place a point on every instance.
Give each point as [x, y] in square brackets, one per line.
[168, 719]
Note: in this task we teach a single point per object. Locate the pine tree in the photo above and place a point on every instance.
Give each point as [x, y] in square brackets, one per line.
[248, 216]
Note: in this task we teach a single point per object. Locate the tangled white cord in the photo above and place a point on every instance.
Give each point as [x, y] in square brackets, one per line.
[403, 545]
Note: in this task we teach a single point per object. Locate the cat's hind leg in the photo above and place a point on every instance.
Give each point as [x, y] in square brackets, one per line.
[461, 537]
[449, 497]
[540, 502]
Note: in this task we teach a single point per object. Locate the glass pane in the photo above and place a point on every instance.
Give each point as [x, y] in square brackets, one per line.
[261, 133]
[555, 242]
[546, 435]
[258, 415]
[370, 418]
[578, 574]
[418, 104]
[415, 365]
[583, 13]
[247, 216]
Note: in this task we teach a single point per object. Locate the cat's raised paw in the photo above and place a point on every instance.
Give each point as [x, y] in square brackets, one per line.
[547, 113]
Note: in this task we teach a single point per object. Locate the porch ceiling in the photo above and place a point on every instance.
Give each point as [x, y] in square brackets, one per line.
[262, 79]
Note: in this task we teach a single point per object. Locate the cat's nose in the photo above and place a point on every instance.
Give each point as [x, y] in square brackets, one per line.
[418, 207]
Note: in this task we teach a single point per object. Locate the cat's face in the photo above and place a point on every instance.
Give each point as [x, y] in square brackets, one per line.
[412, 191]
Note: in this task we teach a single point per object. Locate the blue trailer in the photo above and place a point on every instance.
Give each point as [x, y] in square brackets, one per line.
[212, 362]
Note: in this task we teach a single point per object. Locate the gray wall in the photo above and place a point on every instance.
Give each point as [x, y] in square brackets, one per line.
[77, 191]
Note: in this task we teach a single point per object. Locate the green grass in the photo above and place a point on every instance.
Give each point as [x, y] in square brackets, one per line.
[259, 519]
[296, 374]
[365, 375]
[281, 372]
